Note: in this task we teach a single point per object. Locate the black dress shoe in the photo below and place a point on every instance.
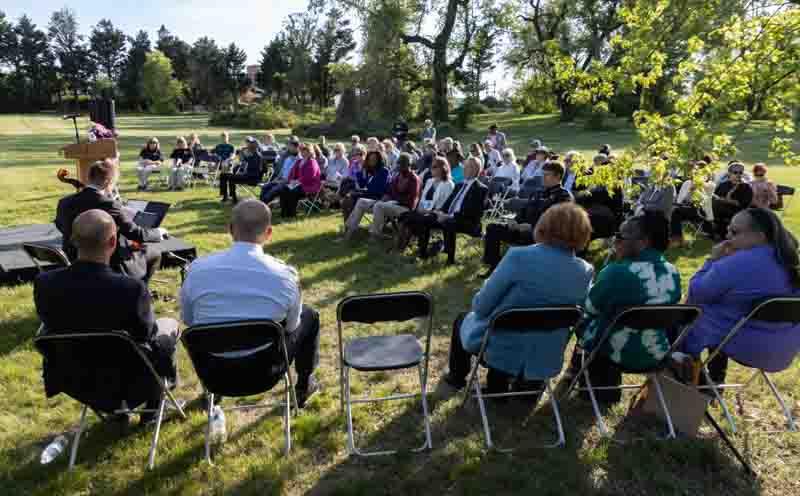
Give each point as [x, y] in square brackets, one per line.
[457, 383]
[302, 392]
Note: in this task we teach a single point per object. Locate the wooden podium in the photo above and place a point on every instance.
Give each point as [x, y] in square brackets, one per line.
[85, 154]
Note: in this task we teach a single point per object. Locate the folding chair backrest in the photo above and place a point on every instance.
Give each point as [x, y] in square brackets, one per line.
[237, 358]
[43, 254]
[499, 185]
[101, 370]
[390, 307]
[781, 309]
[530, 186]
[537, 320]
[784, 190]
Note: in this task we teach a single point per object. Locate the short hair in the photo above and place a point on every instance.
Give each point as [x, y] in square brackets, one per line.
[735, 165]
[602, 158]
[404, 159]
[759, 168]
[250, 218]
[91, 230]
[510, 151]
[655, 227]
[101, 172]
[478, 161]
[554, 167]
[566, 225]
[355, 138]
[339, 147]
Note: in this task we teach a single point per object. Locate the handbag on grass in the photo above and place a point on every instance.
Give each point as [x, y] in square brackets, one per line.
[687, 406]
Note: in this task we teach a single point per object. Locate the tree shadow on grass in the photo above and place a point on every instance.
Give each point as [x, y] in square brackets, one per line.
[17, 333]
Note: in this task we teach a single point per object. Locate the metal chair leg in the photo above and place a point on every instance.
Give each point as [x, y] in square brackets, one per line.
[73, 453]
[600, 422]
[288, 415]
[159, 418]
[789, 420]
[671, 429]
[484, 418]
[210, 400]
[562, 441]
[424, 386]
[719, 399]
[351, 448]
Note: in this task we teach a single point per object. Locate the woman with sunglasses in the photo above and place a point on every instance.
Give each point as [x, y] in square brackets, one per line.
[731, 197]
[759, 260]
[765, 194]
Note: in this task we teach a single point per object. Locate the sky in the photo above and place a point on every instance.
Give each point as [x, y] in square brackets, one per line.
[251, 24]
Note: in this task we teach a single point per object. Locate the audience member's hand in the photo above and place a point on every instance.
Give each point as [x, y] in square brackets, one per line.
[163, 233]
[721, 250]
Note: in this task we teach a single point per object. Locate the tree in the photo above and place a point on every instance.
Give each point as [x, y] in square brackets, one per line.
[334, 42]
[76, 65]
[232, 69]
[299, 32]
[131, 82]
[178, 52]
[161, 89]
[480, 61]
[273, 67]
[205, 59]
[108, 48]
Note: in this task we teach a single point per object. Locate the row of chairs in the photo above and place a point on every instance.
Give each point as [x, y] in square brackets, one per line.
[230, 358]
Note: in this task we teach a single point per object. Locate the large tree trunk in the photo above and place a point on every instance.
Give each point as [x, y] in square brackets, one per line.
[567, 109]
[441, 106]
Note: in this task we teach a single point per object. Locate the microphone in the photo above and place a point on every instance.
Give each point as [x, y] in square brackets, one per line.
[71, 116]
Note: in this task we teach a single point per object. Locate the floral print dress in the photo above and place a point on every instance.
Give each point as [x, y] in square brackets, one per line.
[646, 280]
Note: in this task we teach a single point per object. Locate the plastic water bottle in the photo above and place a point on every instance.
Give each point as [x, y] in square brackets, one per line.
[218, 433]
[55, 448]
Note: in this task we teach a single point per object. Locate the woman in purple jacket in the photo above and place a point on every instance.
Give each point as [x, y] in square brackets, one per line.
[759, 260]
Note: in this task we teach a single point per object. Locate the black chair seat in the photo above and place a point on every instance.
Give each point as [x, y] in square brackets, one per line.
[383, 352]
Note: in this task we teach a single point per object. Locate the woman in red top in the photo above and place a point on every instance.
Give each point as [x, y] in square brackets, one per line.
[304, 180]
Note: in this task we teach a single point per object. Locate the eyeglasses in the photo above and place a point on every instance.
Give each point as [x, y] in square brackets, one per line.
[760, 175]
[736, 173]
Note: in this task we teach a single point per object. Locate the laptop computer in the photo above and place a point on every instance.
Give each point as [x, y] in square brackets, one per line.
[147, 214]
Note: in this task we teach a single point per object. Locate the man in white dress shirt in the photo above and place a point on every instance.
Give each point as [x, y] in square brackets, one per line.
[244, 283]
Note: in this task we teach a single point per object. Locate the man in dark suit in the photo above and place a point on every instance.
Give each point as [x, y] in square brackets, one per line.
[88, 296]
[249, 171]
[520, 230]
[461, 212]
[131, 256]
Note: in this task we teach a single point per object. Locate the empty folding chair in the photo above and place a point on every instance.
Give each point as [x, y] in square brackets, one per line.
[774, 310]
[384, 352]
[539, 321]
[239, 359]
[46, 256]
[637, 319]
[106, 372]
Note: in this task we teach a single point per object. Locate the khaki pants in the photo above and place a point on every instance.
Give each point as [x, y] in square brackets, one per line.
[382, 212]
[363, 206]
[144, 170]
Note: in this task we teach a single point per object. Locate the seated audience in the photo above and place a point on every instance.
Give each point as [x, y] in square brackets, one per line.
[402, 197]
[731, 197]
[355, 142]
[429, 132]
[508, 168]
[223, 151]
[131, 255]
[533, 167]
[605, 150]
[656, 198]
[150, 160]
[304, 181]
[280, 175]
[89, 297]
[370, 183]
[476, 150]
[411, 148]
[545, 274]
[759, 260]
[392, 154]
[321, 156]
[494, 156]
[437, 190]
[571, 158]
[244, 283]
[460, 213]
[423, 165]
[497, 138]
[337, 167]
[269, 150]
[686, 209]
[455, 157]
[639, 275]
[520, 230]
[765, 193]
[182, 159]
[724, 175]
[199, 153]
[249, 171]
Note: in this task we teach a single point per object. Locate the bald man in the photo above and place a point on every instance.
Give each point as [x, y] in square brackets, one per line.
[244, 283]
[88, 296]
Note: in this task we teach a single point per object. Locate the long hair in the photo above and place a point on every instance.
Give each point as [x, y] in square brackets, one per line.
[379, 164]
[766, 221]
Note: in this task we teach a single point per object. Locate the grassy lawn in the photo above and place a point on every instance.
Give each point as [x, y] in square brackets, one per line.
[252, 462]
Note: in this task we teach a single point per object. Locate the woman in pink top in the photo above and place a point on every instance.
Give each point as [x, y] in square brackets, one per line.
[304, 180]
[765, 194]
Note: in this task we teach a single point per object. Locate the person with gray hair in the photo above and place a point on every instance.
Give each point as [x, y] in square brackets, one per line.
[244, 283]
[88, 296]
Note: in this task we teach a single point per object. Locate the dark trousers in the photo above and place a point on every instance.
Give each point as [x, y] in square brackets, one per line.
[153, 260]
[497, 234]
[602, 372]
[450, 228]
[289, 199]
[302, 345]
[497, 381]
[723, 214]
[228, 182]
[271, 191]
[162, 354]
[681, 214]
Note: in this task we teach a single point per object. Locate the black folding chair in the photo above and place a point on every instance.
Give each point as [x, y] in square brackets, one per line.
[384, 352]
[773, 310]
[105, 371]
[242, 358]
[541, 320]
[785, 193]
[638, 319]
[46, 256]
[499, 191]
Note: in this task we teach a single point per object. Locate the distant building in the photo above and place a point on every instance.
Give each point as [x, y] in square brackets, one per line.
[252, 73]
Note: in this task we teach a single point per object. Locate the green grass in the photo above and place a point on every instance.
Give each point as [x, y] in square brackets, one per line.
[251, 462]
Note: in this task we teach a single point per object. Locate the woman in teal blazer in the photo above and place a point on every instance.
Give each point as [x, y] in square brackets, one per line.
[547, 273]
